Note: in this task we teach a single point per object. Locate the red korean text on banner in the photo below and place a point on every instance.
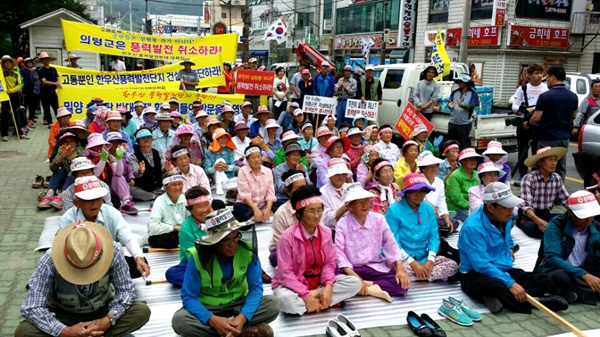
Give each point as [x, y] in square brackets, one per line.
[252, 82]
[538, 37]
[485, 36]
[408, 119]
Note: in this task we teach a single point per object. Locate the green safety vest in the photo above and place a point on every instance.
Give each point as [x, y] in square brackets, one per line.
[374, 85]
[214, 291]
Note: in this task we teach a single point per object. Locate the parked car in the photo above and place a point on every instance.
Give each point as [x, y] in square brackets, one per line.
[587, 159]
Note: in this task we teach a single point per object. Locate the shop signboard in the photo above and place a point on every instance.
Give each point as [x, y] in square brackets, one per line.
[486, 36]
[546, 10]
[407, 20]
[499, 12]
[538, 37]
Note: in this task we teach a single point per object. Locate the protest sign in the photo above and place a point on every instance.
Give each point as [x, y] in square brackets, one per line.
[112, 41]
[252, 82]
[3, 93]
[76, 99]
[209, 69]
[319, 105]
[367, 109]
[408, 119]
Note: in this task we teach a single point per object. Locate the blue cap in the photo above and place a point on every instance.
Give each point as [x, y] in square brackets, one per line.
[142, 134]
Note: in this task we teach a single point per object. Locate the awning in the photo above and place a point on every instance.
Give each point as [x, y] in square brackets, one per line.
[258, 52]
[398, 53]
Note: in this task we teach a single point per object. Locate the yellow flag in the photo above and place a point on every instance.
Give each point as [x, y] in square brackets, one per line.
[3, 93]
[439, 57]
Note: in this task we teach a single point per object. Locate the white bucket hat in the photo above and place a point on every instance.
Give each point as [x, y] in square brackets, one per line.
[341, 168]
[357, 193]
[426, 158]
[494, 147]
[498, 192]
[489, 167]
[583, 204]
[355, 131]
[62, 111]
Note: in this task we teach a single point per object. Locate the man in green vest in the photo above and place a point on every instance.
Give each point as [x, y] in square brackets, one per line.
[222, 290]
[370, 86]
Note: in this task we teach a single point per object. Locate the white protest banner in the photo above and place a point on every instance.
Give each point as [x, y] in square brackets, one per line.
[319, 105]
[367, 109]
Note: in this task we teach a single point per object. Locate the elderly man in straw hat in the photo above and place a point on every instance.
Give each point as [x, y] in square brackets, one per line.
[540, 189]
[89, 206]
[188, 78]
[222, 289]
[81, 287]
[487, 255]
[50, 82]
[72, 59]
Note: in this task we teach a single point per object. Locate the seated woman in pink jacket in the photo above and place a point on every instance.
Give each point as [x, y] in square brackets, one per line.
[305, 279]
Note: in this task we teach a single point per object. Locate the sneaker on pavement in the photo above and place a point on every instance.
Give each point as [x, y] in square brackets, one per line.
[454, 314]
[31, 124]
[57, 202]
[45, 203]
[23, 136]
[493, 304]
[4, 139]
[474, 315]
[554, 302]
[127, 208]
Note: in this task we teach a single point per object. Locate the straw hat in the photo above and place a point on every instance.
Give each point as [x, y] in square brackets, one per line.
[44, 55]
[187, 61]
[7, 57]
[546, 152]
[72, 56]
[82, 252]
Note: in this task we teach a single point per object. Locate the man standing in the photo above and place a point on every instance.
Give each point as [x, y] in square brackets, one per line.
[50, 82]
[486, 258]
[587, 108]
[370, 86]
[554, 112]
[463, 102]
[255, 100]
[296, 94]
[188, 78]
[540, 190]
[570, 251]
[81, 287]
[525, 102]
[345, 89]
[324, 83]
[427, 92]
[30, 96]
[222, 290]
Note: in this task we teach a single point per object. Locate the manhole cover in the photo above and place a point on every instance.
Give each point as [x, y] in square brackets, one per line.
[8, 153]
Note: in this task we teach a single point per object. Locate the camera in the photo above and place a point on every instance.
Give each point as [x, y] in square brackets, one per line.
[522, 116]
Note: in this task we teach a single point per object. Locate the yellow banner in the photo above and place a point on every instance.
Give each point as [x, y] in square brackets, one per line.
[76, 99]
[209, 69]
[439, 57]
[3, 93]
[106, 40]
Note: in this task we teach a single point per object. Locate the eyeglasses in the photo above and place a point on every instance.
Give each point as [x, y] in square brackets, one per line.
[234, 239]
[314, 212]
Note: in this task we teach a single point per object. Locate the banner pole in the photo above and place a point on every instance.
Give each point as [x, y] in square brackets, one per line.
[12, 113]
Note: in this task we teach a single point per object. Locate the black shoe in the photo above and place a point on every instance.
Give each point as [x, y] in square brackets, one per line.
[493, 304]
[554, 302]
[432, 325]
[417, 325]
[265, 278]
[569, 296]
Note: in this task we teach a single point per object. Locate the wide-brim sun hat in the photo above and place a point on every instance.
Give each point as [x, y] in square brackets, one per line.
[464, 77]
[200, 114]
[489, 167]
[500, 193]
[323, 131]
[262, 109]
[149, 110]
[115, 136]
[332, 140]
[65, 136]
[44, 55]
[95, 139]
[213, 120]
[583, 204]
[341, 168]
[357, 193]
[82, 252]
[415, 181]
[272, 124]
[469, 152]
[494, 147]
[184, 129]
[240, 126]
[8, 58]
[71, 57]
[544, 152]
[114, 116]
[355, 131]
[188, 61]
[166, 106]
[359, 116]
[78, 127]
[218, 133]
[426, 158]
[218, 225]
[289, 135]
[294, 147]
[431, 67]
[175, 114]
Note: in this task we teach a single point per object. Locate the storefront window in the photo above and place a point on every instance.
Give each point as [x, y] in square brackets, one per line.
[438, 10]
[305, 20]
[482, 9]
[367, 18]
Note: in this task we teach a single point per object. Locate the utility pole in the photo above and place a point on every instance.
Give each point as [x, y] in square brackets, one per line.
[333, 27]
[130, 18]
[464, 40]
[317, 26]
[271, 42]
[384, 37]
[246, 17]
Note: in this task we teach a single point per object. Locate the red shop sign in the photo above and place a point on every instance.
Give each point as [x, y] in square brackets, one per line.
[486, 36]
[538, 37]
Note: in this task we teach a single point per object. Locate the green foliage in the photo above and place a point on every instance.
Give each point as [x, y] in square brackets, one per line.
[15, 12]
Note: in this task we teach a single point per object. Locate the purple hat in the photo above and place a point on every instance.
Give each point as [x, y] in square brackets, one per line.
[66, 135]
[112, 136]
[415, 181]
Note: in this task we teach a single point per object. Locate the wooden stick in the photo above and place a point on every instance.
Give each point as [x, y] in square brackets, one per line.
[12, 112]
[317, 124]
[149, 282]
[150, 250]
[555, 317]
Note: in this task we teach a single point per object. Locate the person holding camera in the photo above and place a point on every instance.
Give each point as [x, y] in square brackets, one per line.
[525, 100]
[554, 113]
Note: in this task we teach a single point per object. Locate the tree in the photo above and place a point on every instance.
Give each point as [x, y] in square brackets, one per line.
[15, 12]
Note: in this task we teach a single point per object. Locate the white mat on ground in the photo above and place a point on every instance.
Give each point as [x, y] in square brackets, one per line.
[365, 312]
[589, 333]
